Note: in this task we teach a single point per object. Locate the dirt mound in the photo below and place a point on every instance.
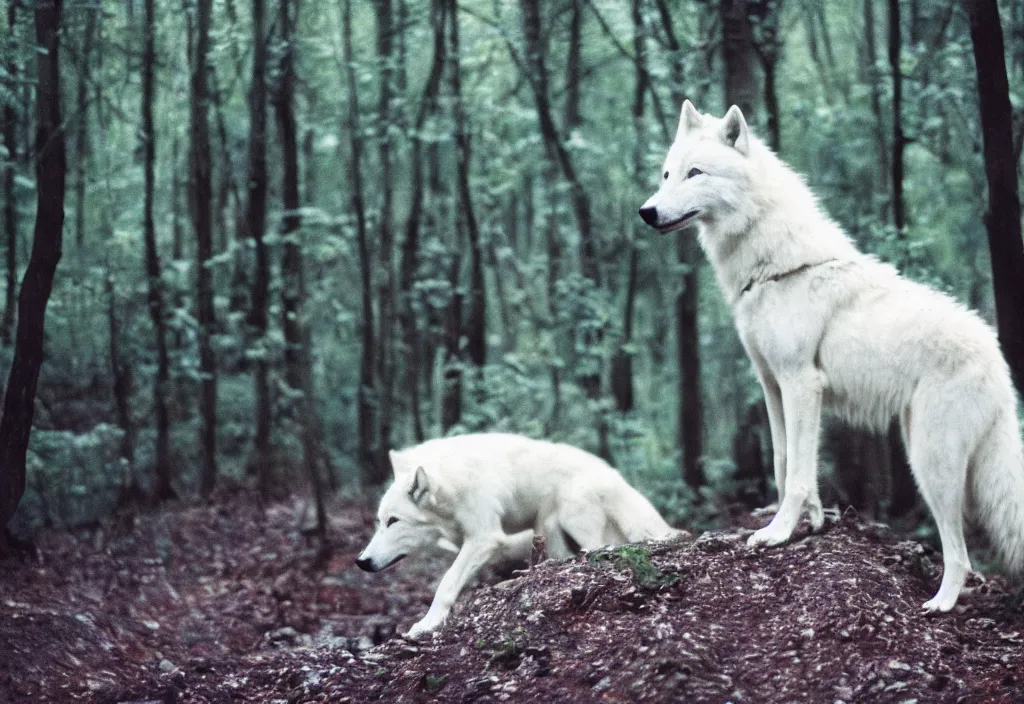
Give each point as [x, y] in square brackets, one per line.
[832, 617]
[218, 604]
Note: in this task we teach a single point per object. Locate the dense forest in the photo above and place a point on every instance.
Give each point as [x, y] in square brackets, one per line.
[294, 235]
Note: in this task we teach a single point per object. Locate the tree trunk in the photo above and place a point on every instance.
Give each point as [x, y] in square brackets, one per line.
[201, 220]
[898, 139]
[556, 150]
[82, 118]
[122, 376]
[622, 361]
[177, 237]
[561, 158]
[904, 494]
[1002, 218]
[19, 399]
[871, 55]
[255, 223]
[451, 393]
[475, 329]
[410, 245]
[572, 69]
[741, 78]
[293, 288]
[10, 195]
[386, 237]
[155, 295]
[765, 18]
[688, 344]
[366, 395]
[689, 420]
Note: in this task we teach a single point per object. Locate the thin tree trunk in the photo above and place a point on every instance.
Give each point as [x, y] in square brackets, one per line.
[451, 393]
[622, 361]
[475, 329]
[122, 376]
[553, 245]
[690, 416]
[1002, 217]
[410, 245]
[19, 399]
[904, 494]
[572, 69]
[898, 139]
[177, 237]
[227, 191]
[556, 150]
[201, 220]
[10, 194]
[386, 237]
[741, 79]
[689, 421]
[82, 135]
[876, 93]
[366, 395]
[155, 295]
[766, 20]
[561, 158]
[293, 289]
[255, 223]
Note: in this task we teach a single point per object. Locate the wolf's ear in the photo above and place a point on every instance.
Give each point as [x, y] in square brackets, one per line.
[420, 486]
[689, 119]
[397, 466]
[734, 131]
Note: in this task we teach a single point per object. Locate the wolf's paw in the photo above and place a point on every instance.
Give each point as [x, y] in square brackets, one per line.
[768, 536]
[939, 603]
[422, 627]
[766, 510]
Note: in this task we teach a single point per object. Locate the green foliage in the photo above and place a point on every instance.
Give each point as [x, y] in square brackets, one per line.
[636, 559]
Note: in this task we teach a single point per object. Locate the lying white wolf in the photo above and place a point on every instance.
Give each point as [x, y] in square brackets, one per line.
[827, 325]
[484, 495]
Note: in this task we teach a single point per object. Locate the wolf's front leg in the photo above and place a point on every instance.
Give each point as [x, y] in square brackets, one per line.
[776, 419]
[474, 555]
[777, 426]
[801, 401]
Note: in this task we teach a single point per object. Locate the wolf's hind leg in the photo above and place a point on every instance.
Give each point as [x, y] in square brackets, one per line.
[517, 547]
[939, 464]
[585, 522]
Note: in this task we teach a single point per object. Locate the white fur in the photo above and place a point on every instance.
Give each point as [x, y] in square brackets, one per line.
[826, 325]
[485, 495]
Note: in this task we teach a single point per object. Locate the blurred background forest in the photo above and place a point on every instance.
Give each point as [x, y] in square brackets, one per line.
[301, 233]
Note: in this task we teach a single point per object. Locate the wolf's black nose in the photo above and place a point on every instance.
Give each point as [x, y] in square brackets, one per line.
[649, 213]
[365, 564]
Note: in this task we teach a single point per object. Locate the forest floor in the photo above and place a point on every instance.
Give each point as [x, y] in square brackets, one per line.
[220, 604]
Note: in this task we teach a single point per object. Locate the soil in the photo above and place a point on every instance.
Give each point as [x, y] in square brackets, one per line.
[221, 603]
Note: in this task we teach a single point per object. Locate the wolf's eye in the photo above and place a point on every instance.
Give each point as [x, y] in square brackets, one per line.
[666, 174]
[694, 172]
[392, 521]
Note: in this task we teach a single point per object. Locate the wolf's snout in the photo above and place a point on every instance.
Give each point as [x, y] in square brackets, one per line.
[364, 563]
[649, 213]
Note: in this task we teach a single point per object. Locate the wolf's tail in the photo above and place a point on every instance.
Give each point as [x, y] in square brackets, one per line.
[997, 485]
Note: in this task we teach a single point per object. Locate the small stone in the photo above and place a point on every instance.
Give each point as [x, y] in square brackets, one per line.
[167, 666]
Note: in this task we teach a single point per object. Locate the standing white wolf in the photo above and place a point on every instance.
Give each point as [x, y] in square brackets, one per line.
[484, 495]
[825, 324]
